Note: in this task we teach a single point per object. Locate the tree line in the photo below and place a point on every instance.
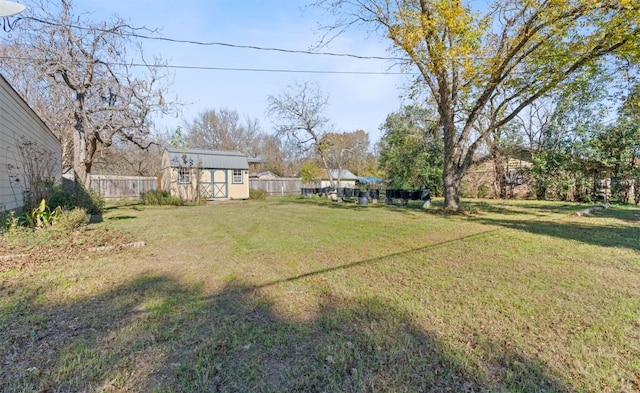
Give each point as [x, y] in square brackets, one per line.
[530, 74]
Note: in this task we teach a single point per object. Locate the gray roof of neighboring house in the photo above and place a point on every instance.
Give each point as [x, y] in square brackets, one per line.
[215, 159]
[345, 174]
[256, 160]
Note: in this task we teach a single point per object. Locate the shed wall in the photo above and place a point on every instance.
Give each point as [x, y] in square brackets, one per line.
[209, 183]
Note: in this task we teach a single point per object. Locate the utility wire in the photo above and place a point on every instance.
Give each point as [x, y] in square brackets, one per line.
[211, 68]
[225, 44]
[132, 33]
[261, 48]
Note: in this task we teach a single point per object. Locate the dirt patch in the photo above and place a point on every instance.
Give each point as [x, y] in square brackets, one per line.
[28, 248]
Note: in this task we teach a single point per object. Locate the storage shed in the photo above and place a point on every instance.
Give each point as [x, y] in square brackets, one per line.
[207, 174]
[29, 151]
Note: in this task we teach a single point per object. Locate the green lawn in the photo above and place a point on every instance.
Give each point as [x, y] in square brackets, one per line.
[307, 295]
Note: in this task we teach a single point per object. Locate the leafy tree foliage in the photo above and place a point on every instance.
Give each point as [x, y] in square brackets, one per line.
[579, 149]
[483, 69]
[309, 172]
[564, 166]
[617, 147]
[411, 149]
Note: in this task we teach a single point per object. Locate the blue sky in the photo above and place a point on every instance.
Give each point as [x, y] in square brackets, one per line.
[355, 101]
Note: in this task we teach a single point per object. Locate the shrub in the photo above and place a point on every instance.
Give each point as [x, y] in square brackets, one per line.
[483, 190]
[34, 167]
[257, 194]
[42, 217]
[8, 221]
[72, 219]
[160, 197]
[71, 196]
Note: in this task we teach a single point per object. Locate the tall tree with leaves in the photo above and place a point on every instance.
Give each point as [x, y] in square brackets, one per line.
[495, 64]
[617, 147]
[564, 165]
[411, 149]
[107, 96]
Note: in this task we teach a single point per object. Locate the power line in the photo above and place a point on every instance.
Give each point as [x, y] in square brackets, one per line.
[226, 44]
[211, 68]
[254, 47]
[276, 70]
[271, 49]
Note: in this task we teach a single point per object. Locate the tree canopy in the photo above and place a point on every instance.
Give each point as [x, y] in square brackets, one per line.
[481, 68]
[411, 149]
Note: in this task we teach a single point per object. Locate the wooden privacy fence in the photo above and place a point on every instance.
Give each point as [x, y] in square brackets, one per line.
[122, 187]
[278, 186]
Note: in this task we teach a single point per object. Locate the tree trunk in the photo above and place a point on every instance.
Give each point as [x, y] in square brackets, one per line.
[499, 185]
[452, 179]
[451, 172]
[79, 155]
[332, 183]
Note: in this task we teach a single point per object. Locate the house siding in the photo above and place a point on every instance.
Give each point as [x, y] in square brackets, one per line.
[19, 123]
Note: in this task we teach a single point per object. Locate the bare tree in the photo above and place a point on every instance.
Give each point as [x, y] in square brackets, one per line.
[300, 111]
[129, 160]
[97, 94]
[222, 130]
[278, 158]
[43, 96]
[345, 150]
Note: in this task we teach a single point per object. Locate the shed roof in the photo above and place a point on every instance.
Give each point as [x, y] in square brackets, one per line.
[215, 159]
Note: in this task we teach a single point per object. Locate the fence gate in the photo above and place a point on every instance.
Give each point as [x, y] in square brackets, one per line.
[217, 186]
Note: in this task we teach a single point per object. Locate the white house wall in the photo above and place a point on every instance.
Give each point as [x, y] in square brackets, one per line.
[19, 123]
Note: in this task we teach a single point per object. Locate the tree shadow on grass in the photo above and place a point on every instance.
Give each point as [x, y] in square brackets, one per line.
[512, 207]
[396, 206]
[153, 334]
[587, 230]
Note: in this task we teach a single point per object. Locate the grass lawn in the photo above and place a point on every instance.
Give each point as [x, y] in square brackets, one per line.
[306, 295]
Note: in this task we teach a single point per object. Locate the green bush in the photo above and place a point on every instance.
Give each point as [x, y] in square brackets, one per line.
[72, 219]
[68, 197]
[160, 197]
[42, 217]
[483, 190]
[257, 194]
